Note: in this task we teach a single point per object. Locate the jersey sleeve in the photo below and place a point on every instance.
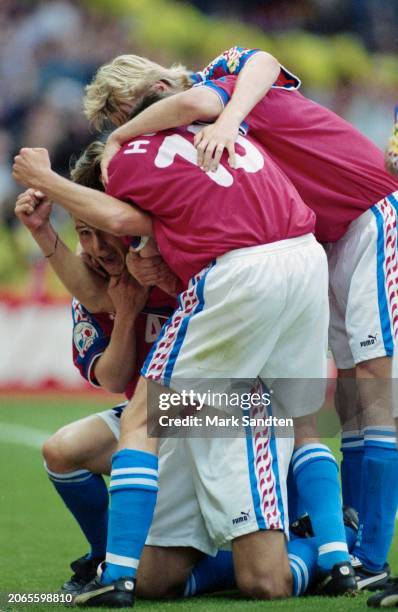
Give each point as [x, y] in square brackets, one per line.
[90, 339]
[224, 88]
[231, 62]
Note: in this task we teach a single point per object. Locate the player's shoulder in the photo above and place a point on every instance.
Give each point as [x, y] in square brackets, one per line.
[91, 332]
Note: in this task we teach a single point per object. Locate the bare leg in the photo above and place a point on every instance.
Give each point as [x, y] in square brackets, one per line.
[163, 572]
[261, 565]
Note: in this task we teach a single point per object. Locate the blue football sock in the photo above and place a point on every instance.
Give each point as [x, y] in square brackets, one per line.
[212, 574]
[133, 489]
[295, 508]
[303, 556]
[316, 474]
[352, 445]
[217, 573]
[351, 537]
[86, 496]
[379, 498]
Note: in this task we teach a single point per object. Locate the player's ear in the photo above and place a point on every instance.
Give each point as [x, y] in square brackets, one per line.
[161, 86]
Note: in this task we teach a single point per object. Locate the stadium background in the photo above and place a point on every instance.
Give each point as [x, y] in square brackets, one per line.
[345, 53]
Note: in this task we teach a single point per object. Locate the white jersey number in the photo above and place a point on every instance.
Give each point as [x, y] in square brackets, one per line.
[252, 161]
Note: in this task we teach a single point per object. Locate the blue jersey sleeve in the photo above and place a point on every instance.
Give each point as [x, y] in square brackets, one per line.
[91, 336]
[231, 62]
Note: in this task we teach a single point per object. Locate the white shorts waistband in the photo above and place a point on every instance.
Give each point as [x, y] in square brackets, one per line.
[272, 247]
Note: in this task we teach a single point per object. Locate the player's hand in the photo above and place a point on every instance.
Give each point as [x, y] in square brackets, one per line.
[33, 209]
[30, 166]
[146, 270]
[112, 146]
[150, 271]
[127, 295]
[213, 139]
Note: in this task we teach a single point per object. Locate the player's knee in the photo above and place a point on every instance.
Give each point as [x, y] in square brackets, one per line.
[272, 585]
[59, 452]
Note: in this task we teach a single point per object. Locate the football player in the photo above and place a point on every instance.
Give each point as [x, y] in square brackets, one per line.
[339, 173]
[78, 454]
[246, 219]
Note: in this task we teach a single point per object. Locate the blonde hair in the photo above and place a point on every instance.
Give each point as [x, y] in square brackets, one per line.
[86, 169]
[126, 80]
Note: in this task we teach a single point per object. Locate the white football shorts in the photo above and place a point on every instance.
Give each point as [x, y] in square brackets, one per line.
[240, 482]
[254, 312]
[363, 272]
[177, 520]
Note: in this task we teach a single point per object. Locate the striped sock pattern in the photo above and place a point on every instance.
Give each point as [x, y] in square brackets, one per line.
[315, 469]
[379, 499]
[133, 489]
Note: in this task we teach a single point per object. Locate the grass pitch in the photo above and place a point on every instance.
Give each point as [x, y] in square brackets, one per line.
[39, 538]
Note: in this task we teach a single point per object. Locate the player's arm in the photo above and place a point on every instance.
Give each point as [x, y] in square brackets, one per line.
[254, 81]
[115, 367]
[32, 168]
[255, 78]
[176, 110]
[33, 210]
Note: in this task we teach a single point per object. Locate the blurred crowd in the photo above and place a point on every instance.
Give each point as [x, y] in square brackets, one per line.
[375, 21]
[49, 50]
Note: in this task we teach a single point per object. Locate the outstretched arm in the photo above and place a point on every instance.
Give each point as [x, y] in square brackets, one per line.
[32, 168]
[33, 210]
[254, 81]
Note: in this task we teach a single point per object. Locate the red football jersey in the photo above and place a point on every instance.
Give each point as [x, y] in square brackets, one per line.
[338, 172]
[92, 334]
[199, 216]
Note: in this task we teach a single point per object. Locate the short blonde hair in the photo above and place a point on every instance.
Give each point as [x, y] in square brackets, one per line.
[126, 80]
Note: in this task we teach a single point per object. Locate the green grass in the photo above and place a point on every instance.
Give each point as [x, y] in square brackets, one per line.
[38, 538]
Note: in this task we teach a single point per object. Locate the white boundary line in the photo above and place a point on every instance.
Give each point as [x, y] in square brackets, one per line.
[25, 436]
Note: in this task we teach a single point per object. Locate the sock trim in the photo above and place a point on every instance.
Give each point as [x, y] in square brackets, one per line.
[120, 560]
[353, 433]
[303, 570]
[136, 470]
[309, 447]
[299, 582]
[146, 483]
[352, 444]
[69, 477]
[190, 587]
[311, 456]
[332, 547]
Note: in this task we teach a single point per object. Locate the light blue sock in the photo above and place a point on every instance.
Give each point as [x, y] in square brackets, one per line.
[217, 573]
[133, 489]
[316, 474]
[86, 496]
[352, 446]
[212, 574]
[379, 498]
[303, 556]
